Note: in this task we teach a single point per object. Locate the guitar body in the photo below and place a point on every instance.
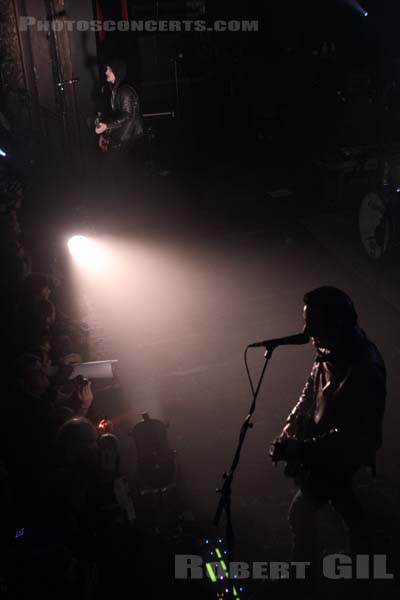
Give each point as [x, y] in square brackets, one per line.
[104, 142]
[304, 428]
[104, 138]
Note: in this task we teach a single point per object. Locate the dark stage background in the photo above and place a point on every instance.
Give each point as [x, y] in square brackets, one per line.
[251, 196]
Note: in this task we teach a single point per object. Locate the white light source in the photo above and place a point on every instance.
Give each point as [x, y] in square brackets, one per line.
[365, 14]
[84, 250]
[2, 153]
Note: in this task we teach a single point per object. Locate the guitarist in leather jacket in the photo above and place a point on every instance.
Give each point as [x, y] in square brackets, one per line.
[124, 126]
[336, 427]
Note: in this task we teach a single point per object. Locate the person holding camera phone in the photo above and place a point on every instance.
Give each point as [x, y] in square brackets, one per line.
[336, 427]
[83, 395]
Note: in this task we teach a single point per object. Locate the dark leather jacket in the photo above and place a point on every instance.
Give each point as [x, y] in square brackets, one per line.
[346, 392]
[126, 123]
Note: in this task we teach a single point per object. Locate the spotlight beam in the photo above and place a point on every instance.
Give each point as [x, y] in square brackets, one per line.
[84, 250]
[357, 7]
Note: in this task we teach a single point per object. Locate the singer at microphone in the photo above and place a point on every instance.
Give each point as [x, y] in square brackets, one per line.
[335, 427]
[291, 340]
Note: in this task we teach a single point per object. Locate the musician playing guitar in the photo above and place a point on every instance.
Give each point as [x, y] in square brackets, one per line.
[336, 426]
[125, 125]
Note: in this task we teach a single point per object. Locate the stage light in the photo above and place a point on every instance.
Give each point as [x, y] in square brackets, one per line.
[355, 5]
[2, 153]
[84, 250]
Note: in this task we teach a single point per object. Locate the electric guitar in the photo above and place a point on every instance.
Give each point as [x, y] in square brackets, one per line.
[104, 138]
[304, 429]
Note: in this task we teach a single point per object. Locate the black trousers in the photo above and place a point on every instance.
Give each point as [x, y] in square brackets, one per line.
[303, 513]
[122, 164]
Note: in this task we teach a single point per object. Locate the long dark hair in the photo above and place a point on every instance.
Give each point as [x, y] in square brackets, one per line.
[334, 303]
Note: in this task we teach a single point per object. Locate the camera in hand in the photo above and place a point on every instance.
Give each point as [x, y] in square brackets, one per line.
[81, 382]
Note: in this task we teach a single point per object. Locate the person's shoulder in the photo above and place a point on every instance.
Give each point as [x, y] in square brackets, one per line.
[127, 88]
[370, 361]
[369, 353]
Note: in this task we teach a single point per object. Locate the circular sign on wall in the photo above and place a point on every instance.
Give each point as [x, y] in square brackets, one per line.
[374, 225]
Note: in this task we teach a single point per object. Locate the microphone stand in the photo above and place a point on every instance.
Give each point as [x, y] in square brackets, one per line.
[225, 500]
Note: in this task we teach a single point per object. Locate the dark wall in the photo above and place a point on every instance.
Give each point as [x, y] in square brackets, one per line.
[85, 66]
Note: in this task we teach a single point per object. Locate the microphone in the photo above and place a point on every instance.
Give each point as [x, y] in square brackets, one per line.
[291, 340]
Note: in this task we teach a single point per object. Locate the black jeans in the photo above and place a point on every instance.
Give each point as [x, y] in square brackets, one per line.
[123, 163]
[303, 514]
